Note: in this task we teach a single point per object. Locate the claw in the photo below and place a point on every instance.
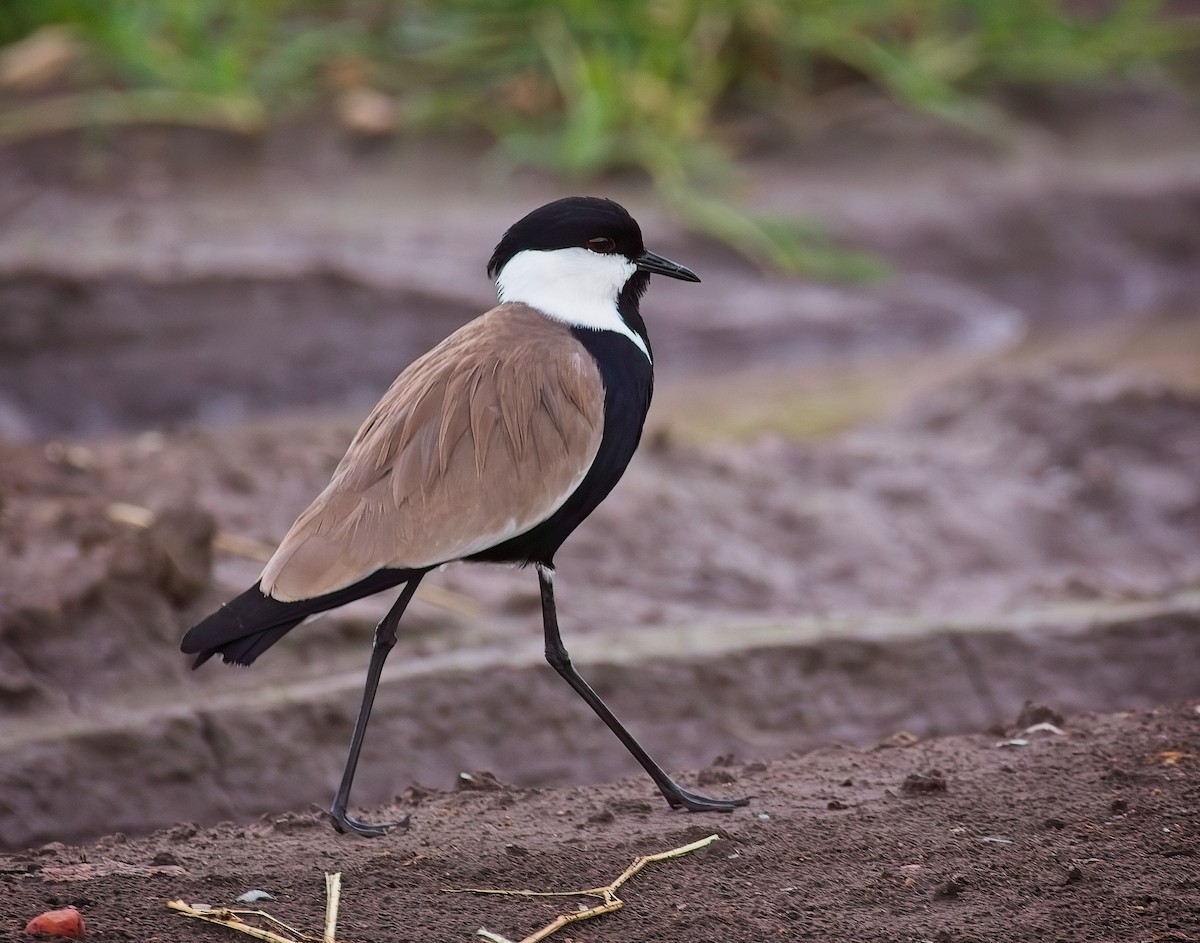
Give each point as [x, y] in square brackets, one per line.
[343, 823]
[696, 803]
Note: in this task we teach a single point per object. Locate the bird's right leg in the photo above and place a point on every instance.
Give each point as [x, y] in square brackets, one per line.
[381, 646]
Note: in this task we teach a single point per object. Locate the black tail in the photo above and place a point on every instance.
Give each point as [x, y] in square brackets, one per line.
[243, 629]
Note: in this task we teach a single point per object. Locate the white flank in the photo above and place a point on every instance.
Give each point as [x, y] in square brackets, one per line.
[576, 286]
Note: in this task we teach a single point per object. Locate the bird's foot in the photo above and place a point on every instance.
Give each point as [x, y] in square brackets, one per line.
[343, 822]
[682, 799]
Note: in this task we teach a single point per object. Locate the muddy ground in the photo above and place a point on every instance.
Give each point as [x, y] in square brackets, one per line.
[908, 506]
[1087, 835]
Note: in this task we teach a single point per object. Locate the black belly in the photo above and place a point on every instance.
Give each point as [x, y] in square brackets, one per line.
[628, 379]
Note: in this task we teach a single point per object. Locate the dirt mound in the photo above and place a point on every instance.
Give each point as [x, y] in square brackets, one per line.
[987, 495]
[84, 595]
[1042, 836]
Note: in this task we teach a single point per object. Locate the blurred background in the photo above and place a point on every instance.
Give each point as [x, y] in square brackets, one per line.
[925, 444]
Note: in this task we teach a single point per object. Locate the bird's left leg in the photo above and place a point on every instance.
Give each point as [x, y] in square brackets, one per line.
[556, 654]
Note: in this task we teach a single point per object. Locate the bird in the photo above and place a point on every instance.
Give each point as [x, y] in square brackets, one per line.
[492, 447]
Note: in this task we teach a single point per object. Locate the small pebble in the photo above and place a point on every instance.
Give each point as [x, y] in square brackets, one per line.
[67, 922]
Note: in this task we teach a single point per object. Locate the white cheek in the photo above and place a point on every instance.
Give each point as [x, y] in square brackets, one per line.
[575, 286]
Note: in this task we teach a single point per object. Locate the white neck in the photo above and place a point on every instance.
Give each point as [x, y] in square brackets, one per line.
[576, 286]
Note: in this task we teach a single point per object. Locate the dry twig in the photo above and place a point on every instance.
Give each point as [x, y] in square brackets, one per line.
[333, 897]
[609, 901]
[234, 919]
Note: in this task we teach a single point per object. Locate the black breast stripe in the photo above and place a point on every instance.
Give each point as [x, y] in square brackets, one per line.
[628, 379]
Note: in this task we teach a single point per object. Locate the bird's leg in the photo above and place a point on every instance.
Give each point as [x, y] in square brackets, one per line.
[560, 661]
[385, 639]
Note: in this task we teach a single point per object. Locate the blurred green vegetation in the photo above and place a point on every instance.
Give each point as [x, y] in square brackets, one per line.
[586, 88]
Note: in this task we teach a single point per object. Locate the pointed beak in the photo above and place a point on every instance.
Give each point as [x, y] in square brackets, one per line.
[649, 262]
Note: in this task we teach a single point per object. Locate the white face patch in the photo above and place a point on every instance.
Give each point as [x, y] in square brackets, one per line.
[576, 286]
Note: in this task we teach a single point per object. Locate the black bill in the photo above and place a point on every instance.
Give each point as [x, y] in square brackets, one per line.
[649, 262]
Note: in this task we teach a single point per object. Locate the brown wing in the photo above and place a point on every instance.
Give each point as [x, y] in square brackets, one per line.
[477, 441]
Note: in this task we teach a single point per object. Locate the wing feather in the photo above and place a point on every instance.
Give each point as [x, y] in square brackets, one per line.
[477, 441]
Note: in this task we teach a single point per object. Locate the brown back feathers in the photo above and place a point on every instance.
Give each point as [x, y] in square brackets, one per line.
[477, 441]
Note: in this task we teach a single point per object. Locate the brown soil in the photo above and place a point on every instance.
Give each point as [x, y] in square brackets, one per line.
[1087, 835]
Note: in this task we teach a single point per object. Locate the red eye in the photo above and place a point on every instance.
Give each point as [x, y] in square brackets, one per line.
[601, 244]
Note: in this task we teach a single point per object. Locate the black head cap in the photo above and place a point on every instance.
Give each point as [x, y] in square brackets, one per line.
[584, 221]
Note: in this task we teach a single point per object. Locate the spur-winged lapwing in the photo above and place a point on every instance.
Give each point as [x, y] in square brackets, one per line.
[492, 447]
